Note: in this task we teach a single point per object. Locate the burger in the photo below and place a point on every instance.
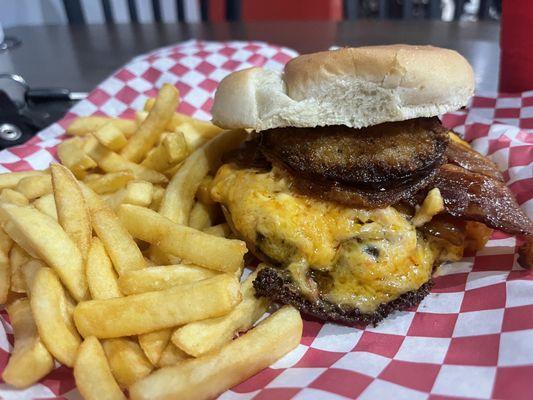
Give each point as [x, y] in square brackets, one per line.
[350, 189]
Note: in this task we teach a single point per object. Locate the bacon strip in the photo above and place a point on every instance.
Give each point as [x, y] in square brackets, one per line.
[472, 161]
[477, 197]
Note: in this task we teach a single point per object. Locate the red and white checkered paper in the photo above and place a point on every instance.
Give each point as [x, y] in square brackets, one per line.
[472, 337]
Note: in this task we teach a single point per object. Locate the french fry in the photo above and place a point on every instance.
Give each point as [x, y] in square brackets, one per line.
[118, 243]
[110, 136]
[43, 238]
[203, 216]
[179, 195]
[82, 126]
[138, 193]
[147, 312]
[17, 258]
[140, 116]
[155, 123]
[157, 159]
[127, 361]
[205, 128]
[172, 150]
[30, 360]
[110, 182]
[193, 246]
[161, 277]
[5, 277]
[203, 194]
[221, 230]
[93, 374]
[49, 306]
[193, 137]
[154, 343]
[101, 276]
[35, 186]
[208, 376]
[109, 161]
[13, 197]
[171, 355]
[159, 257]
[201, 337]
[73, 156]
[172, 171]
[29, 271]
[47, 205]
[157, 196]
[72, 211]
[5, 242]
[11, 179]
[175, 146]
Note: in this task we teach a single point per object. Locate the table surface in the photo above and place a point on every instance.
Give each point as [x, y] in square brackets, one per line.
[79, 57]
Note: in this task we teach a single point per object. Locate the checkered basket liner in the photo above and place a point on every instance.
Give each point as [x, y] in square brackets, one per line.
[472, 337]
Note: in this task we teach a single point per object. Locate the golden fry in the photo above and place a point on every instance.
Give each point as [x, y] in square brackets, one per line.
[151, 311]
[17, 258]
[171, 355]
[43, 238]
[221, 230]
[101, 277]
[82, 126]
[13, 197]
[30, 360]
[11, 179]
[155, 123]
[5, 242]
[203, 216]
[201, 337]
[47, 205]
[93, 374]
[203, 194]
[118, 243]
[179, 195]
[72, 211]
[48, 306]
[110, 161]
[161, 277]
[208, 376]
[193, 246]
[138, 193]
[154, 343]
[35, 186]
[110, 182]
[73, 156]
[110, 136]
[5, 277]
[127, 361]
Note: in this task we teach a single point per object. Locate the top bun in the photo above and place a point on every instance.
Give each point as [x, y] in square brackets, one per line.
[356, 87]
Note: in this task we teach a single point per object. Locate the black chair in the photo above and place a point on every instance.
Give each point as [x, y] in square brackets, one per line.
[76, 16]
[391, 9]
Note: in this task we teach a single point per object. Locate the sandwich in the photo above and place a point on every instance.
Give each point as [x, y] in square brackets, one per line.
[349, 188]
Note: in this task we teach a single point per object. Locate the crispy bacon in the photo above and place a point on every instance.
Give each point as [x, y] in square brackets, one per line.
[477, 197]
[471, 160]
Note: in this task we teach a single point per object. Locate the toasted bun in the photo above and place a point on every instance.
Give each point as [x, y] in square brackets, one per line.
[356, 87]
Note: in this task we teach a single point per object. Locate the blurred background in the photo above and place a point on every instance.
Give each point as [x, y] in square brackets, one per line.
[39, 12]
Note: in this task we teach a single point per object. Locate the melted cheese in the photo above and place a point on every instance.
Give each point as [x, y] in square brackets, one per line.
[372, 256]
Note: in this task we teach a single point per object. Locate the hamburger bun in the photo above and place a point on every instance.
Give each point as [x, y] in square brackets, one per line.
[356, 87]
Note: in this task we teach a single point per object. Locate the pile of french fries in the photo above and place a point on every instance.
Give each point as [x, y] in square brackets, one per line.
[115, 263]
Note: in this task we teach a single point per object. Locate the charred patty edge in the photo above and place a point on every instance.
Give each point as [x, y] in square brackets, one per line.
[271, 283]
